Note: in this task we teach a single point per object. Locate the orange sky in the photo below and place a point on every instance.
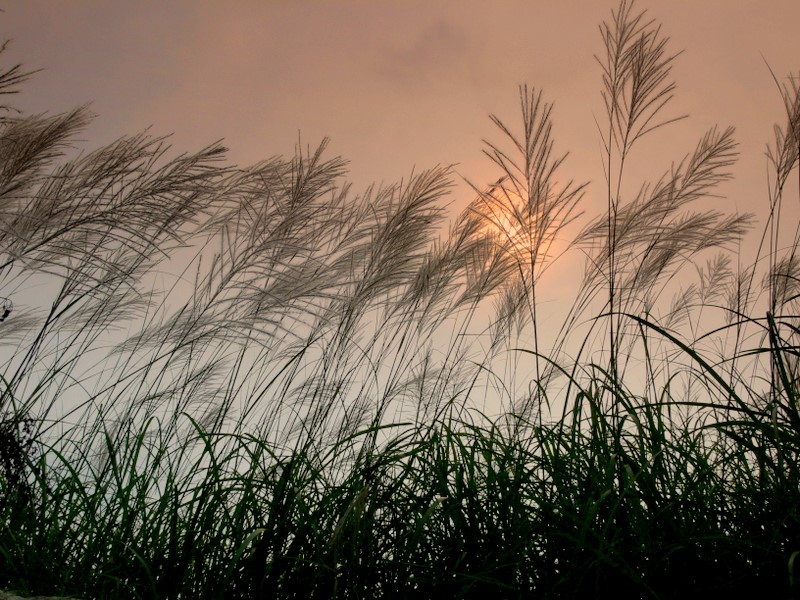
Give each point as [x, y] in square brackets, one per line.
[398, 84]
[395, 84]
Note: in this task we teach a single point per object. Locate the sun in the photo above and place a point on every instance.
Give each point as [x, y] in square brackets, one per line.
[505, 217]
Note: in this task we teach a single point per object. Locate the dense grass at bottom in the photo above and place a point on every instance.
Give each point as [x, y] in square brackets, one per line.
[623, 499]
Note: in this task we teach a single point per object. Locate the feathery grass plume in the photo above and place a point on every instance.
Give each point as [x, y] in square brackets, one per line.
[525, 212]
[98, 225]
[637, 87]
[638, 247]
[782, 277]
[10, 80]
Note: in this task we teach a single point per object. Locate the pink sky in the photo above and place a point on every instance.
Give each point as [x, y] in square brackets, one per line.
[398, 85]
[394, 84]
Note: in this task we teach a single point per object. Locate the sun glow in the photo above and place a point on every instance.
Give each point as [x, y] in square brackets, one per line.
[510, 221]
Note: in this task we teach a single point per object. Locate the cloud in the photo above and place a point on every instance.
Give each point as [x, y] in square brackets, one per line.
[440, 53]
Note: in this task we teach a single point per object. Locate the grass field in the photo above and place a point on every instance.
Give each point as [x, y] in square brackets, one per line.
[226, 382]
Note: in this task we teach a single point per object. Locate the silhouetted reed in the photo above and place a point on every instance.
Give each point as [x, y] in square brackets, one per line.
[253, 382]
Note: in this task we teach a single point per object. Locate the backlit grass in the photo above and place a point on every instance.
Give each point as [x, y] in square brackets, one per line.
[224, 382]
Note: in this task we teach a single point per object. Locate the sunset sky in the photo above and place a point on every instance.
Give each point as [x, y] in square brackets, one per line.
[242, 377]
[399, 85]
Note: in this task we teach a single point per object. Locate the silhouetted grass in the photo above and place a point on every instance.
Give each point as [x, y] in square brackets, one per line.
[252, 382]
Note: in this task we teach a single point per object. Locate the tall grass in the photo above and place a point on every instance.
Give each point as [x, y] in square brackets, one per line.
[253, 382]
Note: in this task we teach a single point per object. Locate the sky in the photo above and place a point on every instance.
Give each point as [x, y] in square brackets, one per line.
[398, 85]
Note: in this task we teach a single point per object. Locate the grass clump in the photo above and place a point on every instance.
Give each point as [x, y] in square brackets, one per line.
[252, 382]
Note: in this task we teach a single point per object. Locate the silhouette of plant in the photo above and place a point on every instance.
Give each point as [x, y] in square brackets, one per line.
[253, 381]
